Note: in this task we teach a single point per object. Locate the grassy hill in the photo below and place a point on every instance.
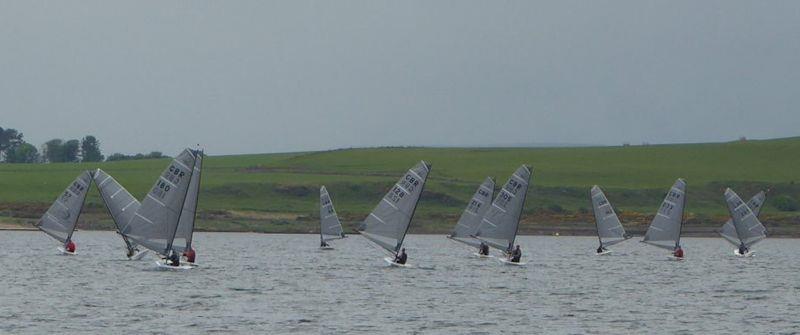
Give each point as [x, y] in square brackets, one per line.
[279, 192]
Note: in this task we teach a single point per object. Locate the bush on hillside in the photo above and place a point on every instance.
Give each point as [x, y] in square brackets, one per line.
[786, 203]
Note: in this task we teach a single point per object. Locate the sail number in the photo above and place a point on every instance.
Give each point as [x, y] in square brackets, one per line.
[409, 182]
[174, 174]
[474, 206]
[161, 189]
[396, 194]
[77, 188]
[503, 199]
[513, 186]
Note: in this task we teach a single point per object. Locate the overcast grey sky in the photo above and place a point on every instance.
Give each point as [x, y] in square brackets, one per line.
[262, 76]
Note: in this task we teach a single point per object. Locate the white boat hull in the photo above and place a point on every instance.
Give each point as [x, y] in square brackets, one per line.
[391, 262]
[162, 265]
[64, 252]
[326, 248]
[606, 252]
[138, 256]
[509, 262]
[673, 258]
[749, 253]
[479, 255]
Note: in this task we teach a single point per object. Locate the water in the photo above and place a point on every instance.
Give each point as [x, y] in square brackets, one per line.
[252, 283]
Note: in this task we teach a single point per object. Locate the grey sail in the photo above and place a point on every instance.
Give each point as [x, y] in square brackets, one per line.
[748, 228]
[153, 226]
[60, 219]
[609, 229]
[499, 225]
[729, 230]
[330, 226]
[185, 231]
[388, 223]
[470, 220]
[665, 230]
[121, 205]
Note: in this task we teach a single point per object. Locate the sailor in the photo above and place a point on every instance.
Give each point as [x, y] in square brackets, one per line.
[516, 254]
[678, 252]
[742, 249]
[401, 257]
[174, 260]
[484, 249]
[323, 244]
[70, 246]
[131, 252]
[189, 254]
[600, 249]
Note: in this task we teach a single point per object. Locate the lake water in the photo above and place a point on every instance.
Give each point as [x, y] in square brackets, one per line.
[274, 284]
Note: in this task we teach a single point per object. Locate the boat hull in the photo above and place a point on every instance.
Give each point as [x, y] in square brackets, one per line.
[162, 265]
[508, 262]
[392, 263]
[64, 252]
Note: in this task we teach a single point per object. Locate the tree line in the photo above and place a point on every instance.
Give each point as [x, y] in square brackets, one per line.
[14, 149]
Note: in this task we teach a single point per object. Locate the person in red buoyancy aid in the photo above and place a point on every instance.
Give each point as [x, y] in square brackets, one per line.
[678, 252]
[189, 254]
[70, 246]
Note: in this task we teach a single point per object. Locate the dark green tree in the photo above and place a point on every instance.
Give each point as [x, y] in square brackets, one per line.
[54, 150]
[22, 153]
[71, 151]
[9, 138]
[90, 149]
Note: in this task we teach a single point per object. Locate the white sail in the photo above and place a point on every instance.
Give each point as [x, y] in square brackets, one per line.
[153, 226]
[499, 225]
[330, 226]
[185, 231]
[609, 228]
[729, 230]
[470, 220]
[60, 219]
[665, 229]
[388, 223]
[121, 205]
[748, 228]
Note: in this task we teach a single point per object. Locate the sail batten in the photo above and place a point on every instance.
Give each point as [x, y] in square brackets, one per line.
[330, 226]
[60, 219]
[470, 220]
[388, 223]
[609, 228]
[665, 229]
[499, 225]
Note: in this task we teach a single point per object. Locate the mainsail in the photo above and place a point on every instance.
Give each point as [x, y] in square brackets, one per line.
[467, 225]
[748, 229]
[665, 230]
[183, 236]
[388, 223]
[153, 226]
[60, 219]
[609, 229]
[119, 203]
[729, 230]
[330, 226]
[499, 225]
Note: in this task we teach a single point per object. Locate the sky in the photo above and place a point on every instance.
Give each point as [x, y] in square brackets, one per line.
[280, 76]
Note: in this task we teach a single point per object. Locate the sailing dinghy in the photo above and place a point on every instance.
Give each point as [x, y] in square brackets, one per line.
[609, 228]
[747, 229]
[499, 226]
[121, 205]
[388, 223]
[470, 220]
[665, 229]
[182, 244]
[330, 226]
[60, 219]
[154, 225]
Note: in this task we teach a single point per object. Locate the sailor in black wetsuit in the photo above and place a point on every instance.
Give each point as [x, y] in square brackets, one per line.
[600, 249]
[401, 257]
[742, 249]
[516, 254]
[174, 260]
[484, 249]
[323, 244]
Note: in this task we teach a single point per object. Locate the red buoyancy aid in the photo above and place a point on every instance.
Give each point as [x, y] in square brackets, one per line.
[679, 253]
[189, 253]
[71, 246]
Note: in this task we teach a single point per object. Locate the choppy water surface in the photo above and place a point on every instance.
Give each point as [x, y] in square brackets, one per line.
[284, 284]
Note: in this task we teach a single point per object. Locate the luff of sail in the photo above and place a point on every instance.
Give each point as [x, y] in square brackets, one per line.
[748, 228]
[59, 220]
[121, 205]
[388, 223]
[330, 226]
[499, 225]
[470, 220]
[153, 226]
[728, 231]
[185, 230]
[665, 229]
[609, 228]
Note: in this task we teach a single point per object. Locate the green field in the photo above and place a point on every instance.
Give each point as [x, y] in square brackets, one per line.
[279, 192]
